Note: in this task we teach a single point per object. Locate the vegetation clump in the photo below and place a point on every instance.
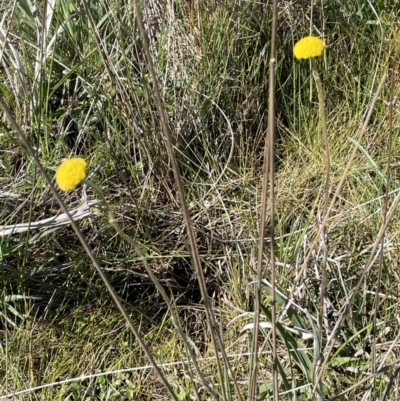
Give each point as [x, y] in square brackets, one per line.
[168, 101]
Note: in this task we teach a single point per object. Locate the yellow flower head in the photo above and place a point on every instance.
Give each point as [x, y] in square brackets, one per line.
[71, 173]
[309, 47]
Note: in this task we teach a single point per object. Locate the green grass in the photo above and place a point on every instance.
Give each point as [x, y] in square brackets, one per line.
[93, 96]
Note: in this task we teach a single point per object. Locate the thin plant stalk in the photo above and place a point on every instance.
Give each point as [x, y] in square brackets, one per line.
[86, 246]
[322, 120]
[269, 172]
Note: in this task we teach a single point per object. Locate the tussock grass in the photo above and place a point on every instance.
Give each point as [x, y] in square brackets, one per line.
[81, 88]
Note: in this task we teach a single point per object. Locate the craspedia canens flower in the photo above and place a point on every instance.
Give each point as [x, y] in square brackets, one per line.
[71, 173]
[308, 47]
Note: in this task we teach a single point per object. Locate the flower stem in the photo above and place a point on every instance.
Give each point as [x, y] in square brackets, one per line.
[322, 120]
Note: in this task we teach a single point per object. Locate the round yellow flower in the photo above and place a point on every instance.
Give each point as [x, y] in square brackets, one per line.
[71, 173]
[308, 47]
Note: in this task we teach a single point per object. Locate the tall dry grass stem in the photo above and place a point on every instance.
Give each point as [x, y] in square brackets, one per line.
[268, 177]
